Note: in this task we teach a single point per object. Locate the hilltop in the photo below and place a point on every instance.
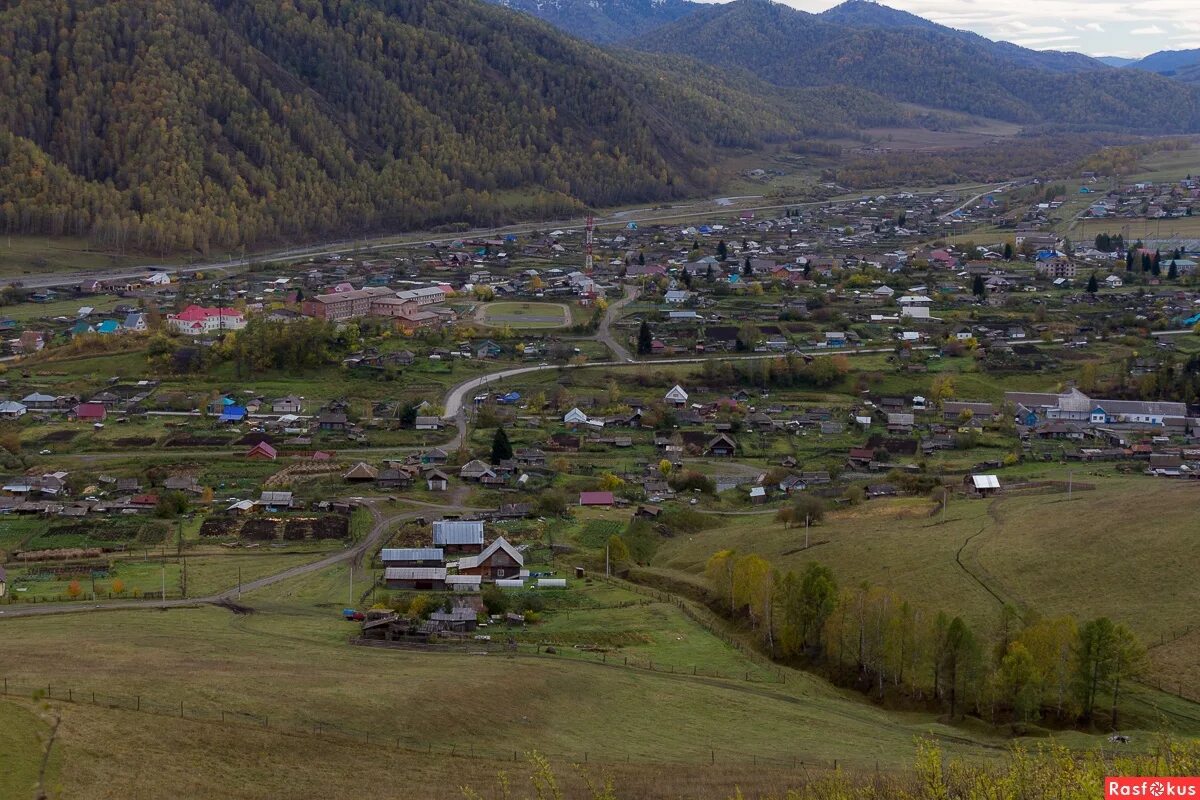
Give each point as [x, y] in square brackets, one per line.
[922, 63]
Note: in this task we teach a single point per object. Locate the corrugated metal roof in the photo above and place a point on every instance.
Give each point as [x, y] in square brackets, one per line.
[510, 583]
[985, 481]
[414, 574]
[450, 531]
[411, 554]
[464, 580]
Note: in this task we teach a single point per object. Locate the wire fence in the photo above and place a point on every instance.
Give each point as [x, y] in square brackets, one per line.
[383, 741]
[588, 654]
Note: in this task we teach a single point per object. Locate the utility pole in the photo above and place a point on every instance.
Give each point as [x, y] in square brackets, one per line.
[806, 519]
[1070, 476]
[607, 563]
[164, 583]
[351, 585]
[239, 594]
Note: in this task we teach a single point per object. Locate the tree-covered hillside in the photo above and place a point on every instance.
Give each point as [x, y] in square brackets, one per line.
[923, 65]
[192, 124]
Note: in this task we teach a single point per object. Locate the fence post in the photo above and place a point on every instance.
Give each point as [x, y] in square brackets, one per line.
[139, 703]
[181, 709]
[70, 695]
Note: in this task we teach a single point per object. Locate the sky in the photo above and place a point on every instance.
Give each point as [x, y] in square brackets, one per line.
[1132, 29]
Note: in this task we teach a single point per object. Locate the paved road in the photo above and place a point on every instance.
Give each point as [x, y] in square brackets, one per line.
[383, 524]
[708, 208]
[455, 398]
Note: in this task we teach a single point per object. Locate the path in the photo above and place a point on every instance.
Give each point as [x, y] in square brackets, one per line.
[354, 554]
[604, 334]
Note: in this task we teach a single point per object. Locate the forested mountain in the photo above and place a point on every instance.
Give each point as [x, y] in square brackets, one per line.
[1168, 62]
[604, 20]
[869, 14]
[1116, 61]
[169, 124]
[921, 65]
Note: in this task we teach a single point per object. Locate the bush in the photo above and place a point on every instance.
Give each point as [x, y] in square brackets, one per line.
[690, 480]
[495, 600]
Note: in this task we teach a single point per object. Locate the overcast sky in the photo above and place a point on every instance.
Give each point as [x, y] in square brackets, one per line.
[1133, 28]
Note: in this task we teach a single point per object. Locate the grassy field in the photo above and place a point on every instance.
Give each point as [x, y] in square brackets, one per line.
[260, 663]
[1085, 230]
[27, 312]
[1085, 557]
[37, 255]
[524, 315]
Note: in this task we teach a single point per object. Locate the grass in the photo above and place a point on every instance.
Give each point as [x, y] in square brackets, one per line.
[37, 255]
[25, 312]
[260, 664]
[1088, 557]
[525, 315]
[22, 733]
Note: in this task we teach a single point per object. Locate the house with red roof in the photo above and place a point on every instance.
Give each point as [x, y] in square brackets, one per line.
[596, 498]
[199, 320]
[262, 452]
[89, 412]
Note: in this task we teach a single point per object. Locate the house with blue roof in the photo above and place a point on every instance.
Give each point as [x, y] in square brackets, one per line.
[108, 326]
[233, 414]
[80, 328]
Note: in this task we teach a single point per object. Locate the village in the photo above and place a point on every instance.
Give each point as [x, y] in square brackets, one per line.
[831, 354]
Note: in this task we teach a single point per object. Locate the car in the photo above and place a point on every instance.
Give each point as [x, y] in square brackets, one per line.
[693, 502]
[45, 452]
[544, 364]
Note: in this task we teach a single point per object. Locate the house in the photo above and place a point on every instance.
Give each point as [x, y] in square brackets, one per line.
[39, 401]
[437, 481]
[881, 490]
[982, 485]
[488, 349]
[835, 339]
[575, 417]
[89, 412]
[273, 501]
[135, 321]
[722, 445]
[428, 423]
[199, 320]
[953, 410]
[233, 414]
[758, 495]
[596, 498]
[288, 405]
[394, 479]
[412, 557]
[676, 396]
[416, 578]
[332, 421]
[458, 536]
[262, 452]
[11, 409]
[499, 560]
[361, 472]
[476, 470]
[435, 456]
[461, 619]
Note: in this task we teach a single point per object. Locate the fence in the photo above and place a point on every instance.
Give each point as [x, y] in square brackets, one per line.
[382, 742]
[591, 655]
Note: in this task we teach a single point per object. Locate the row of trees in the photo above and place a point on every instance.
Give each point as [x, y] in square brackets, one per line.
[1024, 668]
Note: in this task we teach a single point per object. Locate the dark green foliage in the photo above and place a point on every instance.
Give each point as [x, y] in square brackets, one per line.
[494, 599]
[1092, 285]
[501, 448]
[977, 287]
[645, 342]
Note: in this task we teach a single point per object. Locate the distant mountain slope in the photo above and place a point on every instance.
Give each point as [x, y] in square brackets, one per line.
[1167, 61]
[920, 65]
[1116, 61]
[604, 21]
[869, 14]
[168, 124]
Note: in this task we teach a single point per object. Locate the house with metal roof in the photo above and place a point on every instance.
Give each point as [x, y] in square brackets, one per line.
[499, 560]
[419, 578]
[458, 536]
[412, 557]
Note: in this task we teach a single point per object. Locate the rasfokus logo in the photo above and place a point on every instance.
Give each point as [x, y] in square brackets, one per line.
[1115, 788]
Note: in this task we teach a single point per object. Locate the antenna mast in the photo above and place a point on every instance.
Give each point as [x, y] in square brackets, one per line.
[587, 261]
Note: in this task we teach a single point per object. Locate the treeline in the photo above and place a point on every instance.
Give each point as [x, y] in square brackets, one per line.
[1025, 668]
[791, 370]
